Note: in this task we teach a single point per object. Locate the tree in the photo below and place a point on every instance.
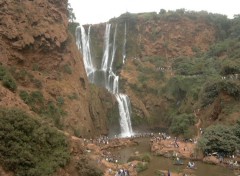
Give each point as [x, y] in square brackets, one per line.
[162, 12]
[181, 125]
[235, 27]
[71, 15]
[219, 138]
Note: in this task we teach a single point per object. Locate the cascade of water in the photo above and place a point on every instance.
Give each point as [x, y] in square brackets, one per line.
[113, 48]
[111, 80]
[83, 43]
[78, 38]
[125, 120]
[124, 43]
[105, 58]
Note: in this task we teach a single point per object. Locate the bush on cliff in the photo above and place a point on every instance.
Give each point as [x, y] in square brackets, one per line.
[88, 168]
[7, 79]
[219, 138]
[181, 125]
[27, 147]
[213, 88]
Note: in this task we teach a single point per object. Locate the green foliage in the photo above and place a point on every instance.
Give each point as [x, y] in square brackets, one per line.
[142, 78]
[134, 158]
[39, 105]
[230, 48]
[137, 120]
[73, 96]
[3, 72]
[67, 69]
[195, 66]
[54, 112]
[235, 27]
[9, 82]
[141, 167]
[7, 79]
[181, 88]
[86, 168]
[36, 67]
[60, 101]
[230, 68]
[181, 125]
[35, 100]
[212, 89]
[72, 27]
[219, 138]
[28, 148]
[37, 83]
[236, 130]
[71, 15]
[144, 158]
[25, 78]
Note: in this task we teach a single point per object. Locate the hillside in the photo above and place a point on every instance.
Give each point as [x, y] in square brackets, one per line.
[180, 65]
[39, 56]
[181, 74]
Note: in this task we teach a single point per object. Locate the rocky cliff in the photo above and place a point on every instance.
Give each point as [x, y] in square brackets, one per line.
[172, 59]
[40, 56]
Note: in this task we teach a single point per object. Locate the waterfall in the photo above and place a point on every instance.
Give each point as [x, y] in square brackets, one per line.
[106, 74]
[113, 48]
[83, 43]
[105, 58]
[124, 43]
[124, 110]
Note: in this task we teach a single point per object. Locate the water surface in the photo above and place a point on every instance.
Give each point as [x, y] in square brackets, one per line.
[162, 163]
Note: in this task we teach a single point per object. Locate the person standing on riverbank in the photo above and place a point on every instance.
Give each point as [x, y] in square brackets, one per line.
[168, 174]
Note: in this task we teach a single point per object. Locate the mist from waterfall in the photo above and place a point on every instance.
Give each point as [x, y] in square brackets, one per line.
[105, 76]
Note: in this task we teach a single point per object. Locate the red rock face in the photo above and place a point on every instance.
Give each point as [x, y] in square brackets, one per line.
[35, 27]
[34, 38]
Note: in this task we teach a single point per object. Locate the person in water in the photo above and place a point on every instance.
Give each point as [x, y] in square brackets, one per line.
[191, 164]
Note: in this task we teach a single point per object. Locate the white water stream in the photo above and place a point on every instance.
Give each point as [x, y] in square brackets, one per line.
[110, 80]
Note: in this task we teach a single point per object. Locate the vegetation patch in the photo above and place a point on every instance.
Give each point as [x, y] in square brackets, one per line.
[7, 79]
[181, 125]
[212, 90]
[38, 104]
[220, 138]
[29, 148]
[141, 166]
[86, 168]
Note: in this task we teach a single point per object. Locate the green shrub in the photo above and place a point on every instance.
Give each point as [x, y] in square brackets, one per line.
[37, 83]
[3, 72]
[39, 105]
[134, 158]
[28, 148]
[86, 168]
[24, 96]
[60, 101]
[72, 27]
[7, 79]
[181, 124]
[146, 157]
[219, 138]
[9, 82]
[73, 96]
[67, 69]
[141, 167]
[35, 67]
[212, 90]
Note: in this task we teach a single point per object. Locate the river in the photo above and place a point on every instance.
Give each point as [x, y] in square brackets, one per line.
[162, 163]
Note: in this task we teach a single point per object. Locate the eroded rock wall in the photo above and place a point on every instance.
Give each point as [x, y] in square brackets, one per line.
[34, 40]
